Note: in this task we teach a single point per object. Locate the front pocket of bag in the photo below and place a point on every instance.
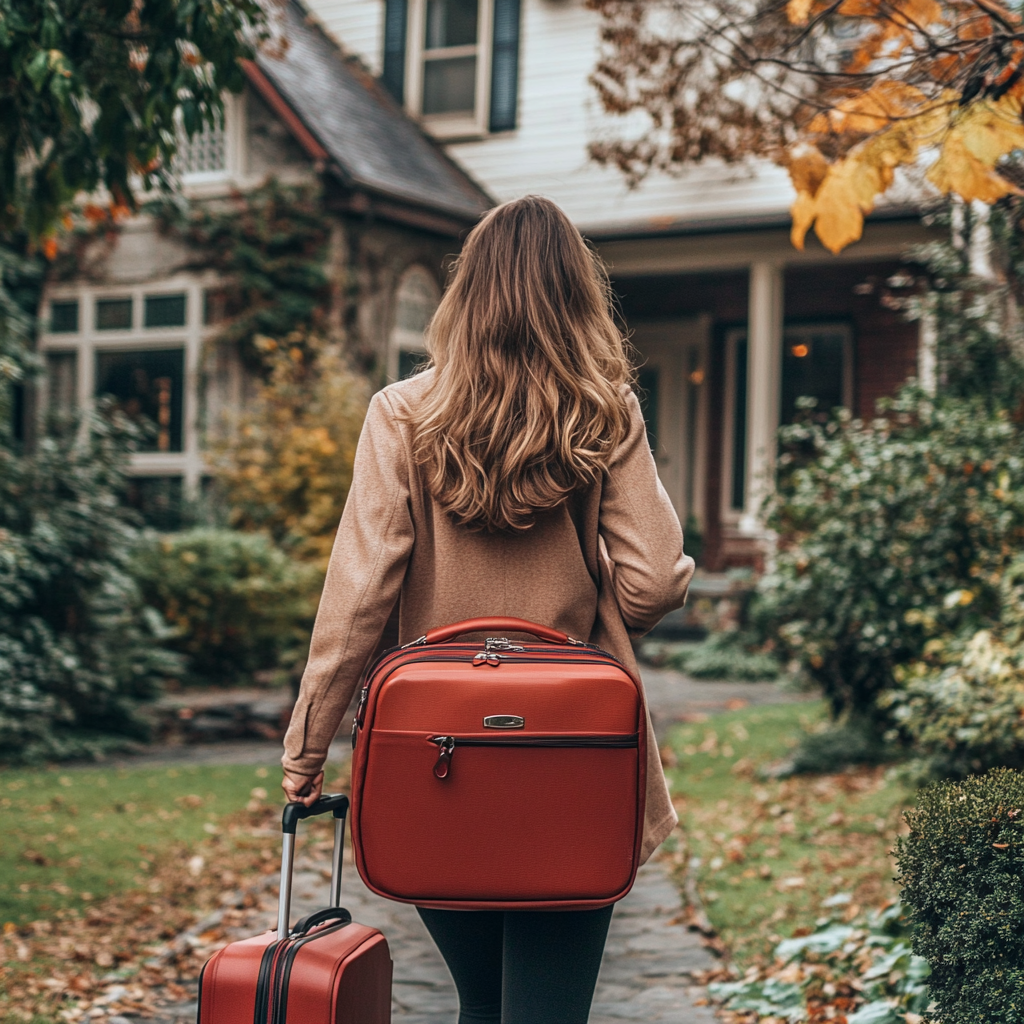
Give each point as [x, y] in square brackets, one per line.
[516, 819]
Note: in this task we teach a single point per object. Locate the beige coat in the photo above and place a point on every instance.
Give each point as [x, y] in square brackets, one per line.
[606, 566]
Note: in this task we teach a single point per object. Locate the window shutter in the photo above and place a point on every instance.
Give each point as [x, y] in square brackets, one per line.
[396, 17]
[504, 65]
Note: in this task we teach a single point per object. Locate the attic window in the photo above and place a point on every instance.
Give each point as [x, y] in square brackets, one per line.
[454, 63]
[205, 153]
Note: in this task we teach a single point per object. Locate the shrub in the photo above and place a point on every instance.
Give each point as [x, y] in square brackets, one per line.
[285, 465]
[961, 708]
[962, 871]
[238, 603]
[890, 533]
[78, 648]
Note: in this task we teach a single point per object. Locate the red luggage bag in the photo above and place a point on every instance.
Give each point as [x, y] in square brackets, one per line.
[498, 774]
[326, 970]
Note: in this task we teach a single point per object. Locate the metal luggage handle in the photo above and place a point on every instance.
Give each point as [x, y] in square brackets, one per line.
[496, 624]
[290, 818]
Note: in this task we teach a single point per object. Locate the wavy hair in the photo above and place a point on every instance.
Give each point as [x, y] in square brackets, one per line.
[526, 405]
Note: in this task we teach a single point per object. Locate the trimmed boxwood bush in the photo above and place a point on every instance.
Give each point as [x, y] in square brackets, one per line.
[237, 602]
[962, 871]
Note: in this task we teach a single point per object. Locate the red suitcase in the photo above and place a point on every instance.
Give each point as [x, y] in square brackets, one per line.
[326, 970]
[499, 774]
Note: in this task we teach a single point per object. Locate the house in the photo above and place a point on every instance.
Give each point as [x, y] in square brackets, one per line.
[732, 324]
[137, 315]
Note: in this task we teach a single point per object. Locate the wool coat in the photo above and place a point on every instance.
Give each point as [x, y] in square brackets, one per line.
[604, 566]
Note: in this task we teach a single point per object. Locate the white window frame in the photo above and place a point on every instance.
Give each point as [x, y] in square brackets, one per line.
[449, 126]
[193, 336]
[790, 332]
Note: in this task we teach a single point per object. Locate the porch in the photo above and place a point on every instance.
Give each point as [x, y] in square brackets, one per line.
[731, 329]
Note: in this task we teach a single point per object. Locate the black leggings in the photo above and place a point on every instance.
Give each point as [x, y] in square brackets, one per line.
[521, 966]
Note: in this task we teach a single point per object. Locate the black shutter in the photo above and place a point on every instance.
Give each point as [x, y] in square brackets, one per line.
[396, 17]
[504, 65]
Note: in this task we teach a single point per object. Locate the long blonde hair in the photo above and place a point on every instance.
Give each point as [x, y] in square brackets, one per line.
[526, 405]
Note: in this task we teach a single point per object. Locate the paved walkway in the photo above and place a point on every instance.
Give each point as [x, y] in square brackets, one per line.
[646, 974]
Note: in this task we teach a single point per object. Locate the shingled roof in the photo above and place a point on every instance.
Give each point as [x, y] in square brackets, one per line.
[371, 142]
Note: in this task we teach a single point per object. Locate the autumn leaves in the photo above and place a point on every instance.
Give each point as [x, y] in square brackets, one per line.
[959, 133]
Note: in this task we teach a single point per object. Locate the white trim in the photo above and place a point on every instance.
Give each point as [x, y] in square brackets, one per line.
[450, 127]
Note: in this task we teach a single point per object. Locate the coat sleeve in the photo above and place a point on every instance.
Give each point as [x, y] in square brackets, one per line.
[364, 579]
[641, 534]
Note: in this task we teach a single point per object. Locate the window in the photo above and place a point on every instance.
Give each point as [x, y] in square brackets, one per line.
[148, 386]
[416, 299]
[817, 362]
[454, 62]
[64, 317]
[113, 314]
[205, 153]
[164, 311]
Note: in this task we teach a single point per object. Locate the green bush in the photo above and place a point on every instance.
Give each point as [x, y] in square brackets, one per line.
[238, 603]
[891, 533]
[79, 650]
[962, 871]
[961, 707]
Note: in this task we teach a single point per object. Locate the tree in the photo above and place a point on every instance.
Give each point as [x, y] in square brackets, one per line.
[96, 93]
[840, 92]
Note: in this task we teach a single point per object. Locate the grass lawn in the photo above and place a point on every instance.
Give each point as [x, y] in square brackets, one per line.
[100, 867]
[74, 836]
[769, 853]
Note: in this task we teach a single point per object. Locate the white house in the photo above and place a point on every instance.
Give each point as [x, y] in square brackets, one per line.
[731, 322]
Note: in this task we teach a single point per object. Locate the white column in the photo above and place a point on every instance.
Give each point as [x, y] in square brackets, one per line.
[926, 344]
[764, 385]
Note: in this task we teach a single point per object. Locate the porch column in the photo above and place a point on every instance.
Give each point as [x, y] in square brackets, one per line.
[764, 385]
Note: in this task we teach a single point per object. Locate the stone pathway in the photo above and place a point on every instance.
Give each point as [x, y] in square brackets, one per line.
[646, 974]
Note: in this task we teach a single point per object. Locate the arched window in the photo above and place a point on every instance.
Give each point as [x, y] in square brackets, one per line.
[416, 298]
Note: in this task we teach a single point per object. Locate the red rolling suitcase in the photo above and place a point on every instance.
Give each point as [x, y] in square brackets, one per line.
[325, 970]
[499, 774]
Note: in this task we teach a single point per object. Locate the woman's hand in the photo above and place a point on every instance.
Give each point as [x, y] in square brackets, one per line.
[302, 789]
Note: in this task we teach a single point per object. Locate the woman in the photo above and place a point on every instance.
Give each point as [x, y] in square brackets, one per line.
[512, 477]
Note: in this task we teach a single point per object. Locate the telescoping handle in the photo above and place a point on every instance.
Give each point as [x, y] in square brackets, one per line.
[496, 624]
[290, 818]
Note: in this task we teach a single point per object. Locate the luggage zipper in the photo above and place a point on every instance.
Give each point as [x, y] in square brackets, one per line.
[481, 657]
[446, 745]
[283, 972]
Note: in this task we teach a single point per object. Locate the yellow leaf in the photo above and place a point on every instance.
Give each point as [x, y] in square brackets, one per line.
[978, 138]
[884, 103]
[798, 11]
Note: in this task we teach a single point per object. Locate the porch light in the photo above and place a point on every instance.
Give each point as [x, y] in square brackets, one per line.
[800, 351]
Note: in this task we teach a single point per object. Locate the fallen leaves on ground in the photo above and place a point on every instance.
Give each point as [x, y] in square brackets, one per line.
[130, 953]
[861, 972]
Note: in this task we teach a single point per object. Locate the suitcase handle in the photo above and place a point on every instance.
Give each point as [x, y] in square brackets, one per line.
[295, 812]
[292, 815]
[310, 921]
[496, 624]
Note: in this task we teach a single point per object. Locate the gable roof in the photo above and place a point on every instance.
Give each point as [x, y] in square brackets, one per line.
[345, 114]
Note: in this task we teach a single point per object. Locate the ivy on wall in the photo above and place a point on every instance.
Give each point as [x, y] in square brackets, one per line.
[270, 246]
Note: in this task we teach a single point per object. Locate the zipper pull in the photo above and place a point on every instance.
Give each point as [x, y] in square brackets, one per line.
[486, 658]
[446, 746]
[357, 719]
